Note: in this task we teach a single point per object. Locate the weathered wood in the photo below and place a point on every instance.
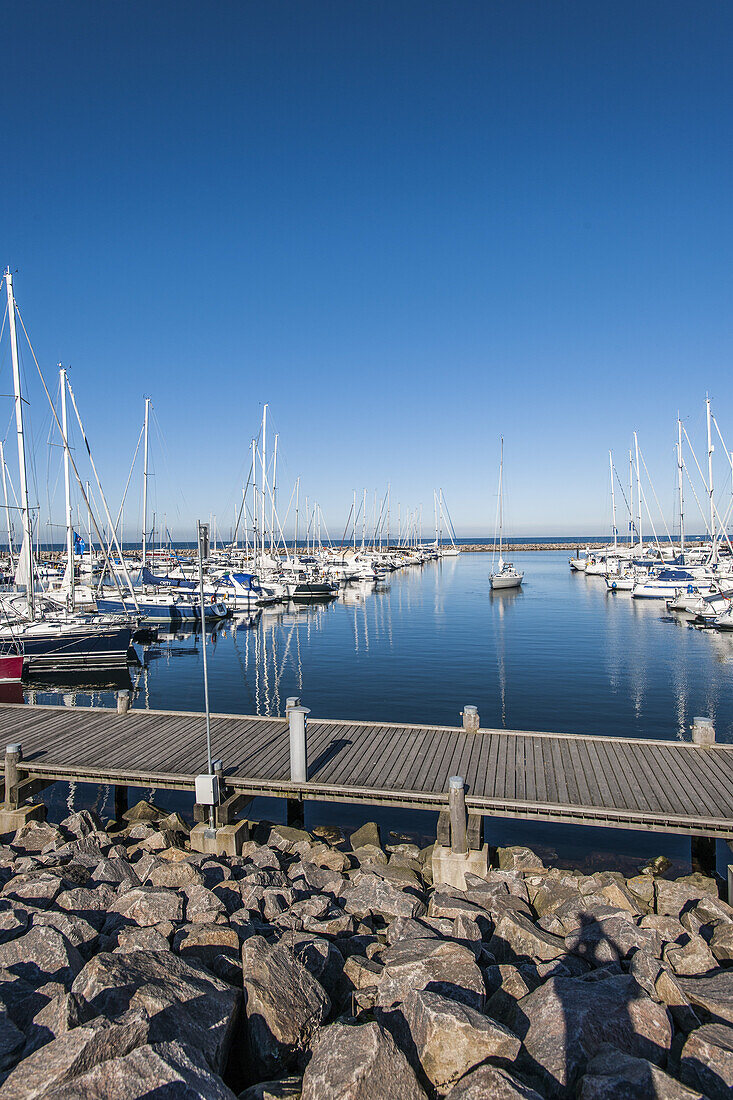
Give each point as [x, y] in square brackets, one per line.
[667, 786]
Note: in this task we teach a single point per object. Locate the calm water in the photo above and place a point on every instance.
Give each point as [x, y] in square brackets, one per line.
[561, 654]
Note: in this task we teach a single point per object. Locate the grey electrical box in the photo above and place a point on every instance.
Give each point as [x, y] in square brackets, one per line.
[207, 790]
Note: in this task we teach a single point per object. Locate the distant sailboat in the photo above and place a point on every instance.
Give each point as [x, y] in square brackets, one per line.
[506, 576]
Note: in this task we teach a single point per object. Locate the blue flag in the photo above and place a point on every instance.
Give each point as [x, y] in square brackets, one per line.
[79, 544]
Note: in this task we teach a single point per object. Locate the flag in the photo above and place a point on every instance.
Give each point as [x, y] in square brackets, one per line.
[79, 544]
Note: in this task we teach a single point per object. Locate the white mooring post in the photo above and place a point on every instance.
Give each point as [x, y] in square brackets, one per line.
[457, 806]
[298, 748]
[13, 756]
[703, 732]
[470, 718]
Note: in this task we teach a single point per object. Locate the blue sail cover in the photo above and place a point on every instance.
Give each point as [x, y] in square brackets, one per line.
[168, 582]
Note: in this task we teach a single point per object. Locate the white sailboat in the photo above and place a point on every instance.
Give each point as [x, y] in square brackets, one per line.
[506, 576]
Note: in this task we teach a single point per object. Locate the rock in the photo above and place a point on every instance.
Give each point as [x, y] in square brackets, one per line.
[656, 866]
[375, 897]
[552, 894]
[203, 906]
[56, 1018]
[13, 921]
[613, 1075]
[393, 872]
[79, 932]
[182, 1000]
[721, 943]
[450, 1038]
[321, 958]
[369, 854]
[160, 1070]
[642, 888]
[146, 905]
[143, 811]
[491, 1083]
[667, 929]
[609, 940]
[367, 834]
[436, 965]
[694, 957]
[284, 1005]
[114, 871]
[37, 889]
[517, 858]
[361, 973]
[675, 898]
[41, 955]
[567, 1020]
[141, 939]
[516, 937]
[444, 905]
[70, 1055]
[706, 1061]
[713, 993]
[90, 904]
[12, 1040]
[215, 945]
[710, 909]
[286, 1088]
[618, 894]
[81, 823]
[37, 836]
[575, 913]
[704, 883]
[284, 838]
[361, 1062]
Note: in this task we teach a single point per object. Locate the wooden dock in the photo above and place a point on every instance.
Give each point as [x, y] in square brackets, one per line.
[667, 786]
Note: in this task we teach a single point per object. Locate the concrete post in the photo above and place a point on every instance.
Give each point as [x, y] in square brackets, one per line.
[457, 806]
[13, 756]
[123, 701]
[470, 718]
[703, 732]
[290, 702]
[298, 747]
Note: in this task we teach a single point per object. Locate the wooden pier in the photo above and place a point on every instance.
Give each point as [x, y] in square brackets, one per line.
[667, 786]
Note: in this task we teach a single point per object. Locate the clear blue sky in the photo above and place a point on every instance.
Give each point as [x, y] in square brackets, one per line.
[408, 226]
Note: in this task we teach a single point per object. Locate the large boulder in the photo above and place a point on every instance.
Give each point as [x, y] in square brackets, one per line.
[11, 1040]
[516, 937]
[283, 1003]
[613, 1075]
[147, 905]
[374, 896]
[42, 955]
[609, 940]
[675, 898]
[436, 965]
[518, 858]
[491, 1083]
[564, 1022]
[451, 1038]
[184, 1001]
[361, 1062]
[711, 993]
[71, 1055]
[160, 1070]
[706, 1062]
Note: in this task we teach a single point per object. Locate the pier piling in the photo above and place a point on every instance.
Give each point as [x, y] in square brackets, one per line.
[457, 805]
[13, 756]
[703, 732]
[470, 718]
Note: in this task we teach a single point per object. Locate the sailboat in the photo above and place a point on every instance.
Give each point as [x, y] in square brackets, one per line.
[506, 576]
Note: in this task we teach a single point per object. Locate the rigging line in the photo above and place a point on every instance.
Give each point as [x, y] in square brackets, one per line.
[73, 466]
[692, 451]
[129, 476]
[243, 504]
[651, 484]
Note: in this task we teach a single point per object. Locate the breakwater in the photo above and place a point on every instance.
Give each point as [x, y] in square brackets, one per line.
[328, 968]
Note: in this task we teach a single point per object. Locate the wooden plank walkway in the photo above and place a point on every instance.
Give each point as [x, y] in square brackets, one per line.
[667, 786]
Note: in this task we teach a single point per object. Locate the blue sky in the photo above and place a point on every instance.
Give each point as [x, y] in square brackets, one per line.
[409, 227]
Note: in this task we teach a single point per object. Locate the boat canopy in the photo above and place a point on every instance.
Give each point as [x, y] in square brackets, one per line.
[674, 575]
[167, 582]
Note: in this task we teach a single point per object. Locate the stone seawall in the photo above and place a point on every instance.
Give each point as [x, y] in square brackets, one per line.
[315, 967]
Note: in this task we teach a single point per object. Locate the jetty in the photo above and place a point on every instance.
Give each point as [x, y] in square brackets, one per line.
[667, 786]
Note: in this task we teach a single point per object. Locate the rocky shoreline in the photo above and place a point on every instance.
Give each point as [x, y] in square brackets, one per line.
[315, 967]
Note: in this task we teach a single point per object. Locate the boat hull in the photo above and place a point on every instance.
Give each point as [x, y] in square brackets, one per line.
[51, 652]
[11, 668]
[499, 581]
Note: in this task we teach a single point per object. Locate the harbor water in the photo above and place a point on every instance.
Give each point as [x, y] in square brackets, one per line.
[562, 654]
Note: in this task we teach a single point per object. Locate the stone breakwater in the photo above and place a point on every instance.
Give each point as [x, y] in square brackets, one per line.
[330, 970]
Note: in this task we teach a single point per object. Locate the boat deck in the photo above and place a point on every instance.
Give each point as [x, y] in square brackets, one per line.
[667, 786]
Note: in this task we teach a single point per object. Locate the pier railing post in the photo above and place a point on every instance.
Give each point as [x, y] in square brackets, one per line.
[298, 747]
[470, 718]
[457, 807]
[123, 701]
[703, 732]
[13, 756]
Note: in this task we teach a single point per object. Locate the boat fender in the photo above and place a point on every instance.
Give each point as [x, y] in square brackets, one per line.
[613, 584]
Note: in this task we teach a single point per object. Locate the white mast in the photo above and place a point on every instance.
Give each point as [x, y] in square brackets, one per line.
[263, 475]
[638, 490]
[501, 502]
[254, 503]
[67, 489]
[25, 514]
[297, 515]
[145, 484]
[363, 522]
[274, 497]
[613, 504]
[680, 471]
[7, 507]
[711, 448]
[354, 511]
[631, 499]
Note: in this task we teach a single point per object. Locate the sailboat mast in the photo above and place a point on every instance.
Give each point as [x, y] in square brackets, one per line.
[67, 488]
[263, 475]
[274, 497]
[25, 514]
[613, 504]
[638, 488]
[711, 448]
[681, 486]
[254, 503]
[631, 499]
[501, 498]
[7, 507]
[145, 483]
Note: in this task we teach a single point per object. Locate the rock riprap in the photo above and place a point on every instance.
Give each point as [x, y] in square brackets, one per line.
[314, 968]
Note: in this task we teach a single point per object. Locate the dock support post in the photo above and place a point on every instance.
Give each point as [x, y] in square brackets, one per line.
[703, 851]
[297, 726]
[121, 803]
[12, 813]
[703, 732]
[123, 701]
[457, 806]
